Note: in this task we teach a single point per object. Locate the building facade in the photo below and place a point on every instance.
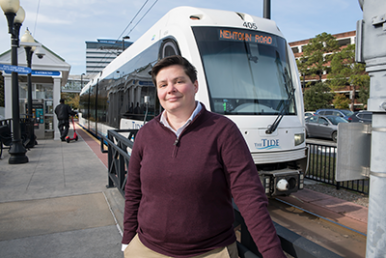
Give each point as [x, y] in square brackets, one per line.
[49, 74]
[101, 52]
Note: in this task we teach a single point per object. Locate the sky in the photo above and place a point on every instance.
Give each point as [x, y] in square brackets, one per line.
[64, 26]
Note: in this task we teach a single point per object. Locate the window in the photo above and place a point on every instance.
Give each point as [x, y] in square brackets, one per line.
[246, 75]
[344, 42]
[313, 119]
[295, 50]
[322, 121]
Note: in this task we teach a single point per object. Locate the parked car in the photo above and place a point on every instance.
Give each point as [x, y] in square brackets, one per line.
[362, 116]
[335, 112]
[308, 113]
[323, 126]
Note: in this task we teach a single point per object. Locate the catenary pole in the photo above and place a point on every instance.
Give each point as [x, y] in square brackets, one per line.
[267, 9]
[371, 49]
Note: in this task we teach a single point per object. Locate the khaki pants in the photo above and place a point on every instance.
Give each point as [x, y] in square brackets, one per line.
[136, 249]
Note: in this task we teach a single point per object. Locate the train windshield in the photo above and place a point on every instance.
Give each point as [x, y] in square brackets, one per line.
[247, 72]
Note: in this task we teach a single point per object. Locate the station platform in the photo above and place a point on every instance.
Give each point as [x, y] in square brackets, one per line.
[57, 204]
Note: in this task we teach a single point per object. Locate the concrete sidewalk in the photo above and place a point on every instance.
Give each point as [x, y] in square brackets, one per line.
[57, 204]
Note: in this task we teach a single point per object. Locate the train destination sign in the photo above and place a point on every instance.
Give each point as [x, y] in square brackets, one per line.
[241, 35]
[14, 68]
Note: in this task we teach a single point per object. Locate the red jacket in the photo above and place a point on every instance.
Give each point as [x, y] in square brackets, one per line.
[179, 195]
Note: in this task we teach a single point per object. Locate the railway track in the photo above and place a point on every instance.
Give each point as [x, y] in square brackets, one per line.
[338, 238]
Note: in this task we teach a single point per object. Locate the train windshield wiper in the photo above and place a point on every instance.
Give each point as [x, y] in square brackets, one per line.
[276, 123]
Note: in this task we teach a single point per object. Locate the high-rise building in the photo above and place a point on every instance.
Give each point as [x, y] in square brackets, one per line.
[100, 53]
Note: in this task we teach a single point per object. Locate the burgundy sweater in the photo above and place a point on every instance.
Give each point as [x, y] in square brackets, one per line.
[179, 195]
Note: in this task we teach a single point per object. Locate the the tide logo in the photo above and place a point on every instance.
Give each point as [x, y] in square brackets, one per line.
[268, 144]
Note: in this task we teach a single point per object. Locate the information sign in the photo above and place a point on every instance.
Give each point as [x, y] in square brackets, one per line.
[13, 68]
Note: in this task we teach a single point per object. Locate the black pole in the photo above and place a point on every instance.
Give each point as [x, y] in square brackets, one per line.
[81, 81]
[267, 9]
[123, 42]
[17, 150]
[29, 54]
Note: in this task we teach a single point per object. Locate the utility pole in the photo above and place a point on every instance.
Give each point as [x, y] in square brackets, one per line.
[371, 49]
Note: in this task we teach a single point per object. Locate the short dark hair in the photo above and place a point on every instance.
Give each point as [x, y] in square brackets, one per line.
[189, 69]
[61, 101]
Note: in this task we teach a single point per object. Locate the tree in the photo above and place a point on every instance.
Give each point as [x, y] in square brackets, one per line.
[314, 53]
[72, 99]
[302, 68]
[317, 96]
[341, 102]
[346, 72]
[364, 93]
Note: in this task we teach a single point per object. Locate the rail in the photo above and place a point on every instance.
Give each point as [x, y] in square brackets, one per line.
[322, 169]
[119, 144]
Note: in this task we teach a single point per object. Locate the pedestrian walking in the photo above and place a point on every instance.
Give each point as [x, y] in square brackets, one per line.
[63, 112]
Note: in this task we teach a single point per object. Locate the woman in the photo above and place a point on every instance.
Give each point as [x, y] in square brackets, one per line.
[185, 167]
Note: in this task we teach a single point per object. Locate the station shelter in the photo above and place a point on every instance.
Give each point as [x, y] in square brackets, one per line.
[49, 74]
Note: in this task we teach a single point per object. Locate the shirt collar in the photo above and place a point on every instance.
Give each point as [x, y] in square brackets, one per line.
[165, 122]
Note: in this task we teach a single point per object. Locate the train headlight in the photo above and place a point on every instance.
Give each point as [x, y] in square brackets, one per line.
[299, 138]
[282, 185]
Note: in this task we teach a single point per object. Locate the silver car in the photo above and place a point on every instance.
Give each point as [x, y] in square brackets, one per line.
[323, 126]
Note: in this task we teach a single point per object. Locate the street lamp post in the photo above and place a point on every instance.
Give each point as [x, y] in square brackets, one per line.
[29, 50]
[81, 81]
[123, 42]
[15, 15]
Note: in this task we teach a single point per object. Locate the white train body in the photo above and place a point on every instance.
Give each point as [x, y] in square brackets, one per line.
[246, 71]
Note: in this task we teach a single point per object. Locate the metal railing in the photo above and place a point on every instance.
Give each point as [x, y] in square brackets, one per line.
[119, 144]
[6, 130]
[322, 168]
[118, 156]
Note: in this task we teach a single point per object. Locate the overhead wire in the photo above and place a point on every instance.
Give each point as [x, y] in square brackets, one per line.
[110, 54]
[142, 17]
[36, 19]
[133, 19]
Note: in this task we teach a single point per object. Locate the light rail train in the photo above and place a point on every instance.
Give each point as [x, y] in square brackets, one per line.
[246, 71]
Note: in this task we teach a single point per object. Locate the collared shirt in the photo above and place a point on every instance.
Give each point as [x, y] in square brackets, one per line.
[165, 122]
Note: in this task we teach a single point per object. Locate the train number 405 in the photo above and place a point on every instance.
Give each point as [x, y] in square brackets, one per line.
[250, 25]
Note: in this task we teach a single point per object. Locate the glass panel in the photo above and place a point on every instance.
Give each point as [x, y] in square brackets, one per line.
[49, 107]
[44, 91]
[22, 106]
[40, 94]
[23, 91]
[247, 72]
[322, 120]
[313, 119]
